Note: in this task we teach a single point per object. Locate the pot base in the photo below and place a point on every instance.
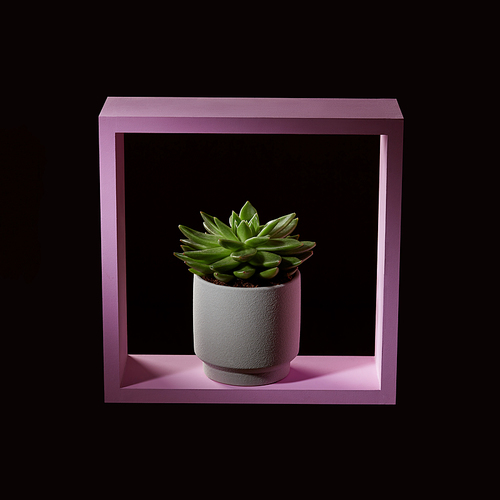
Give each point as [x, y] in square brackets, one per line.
[258, 376]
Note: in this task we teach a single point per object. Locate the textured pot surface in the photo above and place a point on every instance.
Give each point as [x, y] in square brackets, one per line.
[246, 336]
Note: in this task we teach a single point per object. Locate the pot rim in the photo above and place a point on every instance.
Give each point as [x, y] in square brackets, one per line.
[258, 289]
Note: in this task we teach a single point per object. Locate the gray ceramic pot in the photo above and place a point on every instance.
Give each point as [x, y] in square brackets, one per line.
[246, 336]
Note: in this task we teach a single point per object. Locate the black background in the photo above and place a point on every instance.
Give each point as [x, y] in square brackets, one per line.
[54, 85]
[331, 182]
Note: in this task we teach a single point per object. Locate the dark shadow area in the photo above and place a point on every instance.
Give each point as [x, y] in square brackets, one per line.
[22, 164]
[299, 373]
[331, 182]
[137, 372]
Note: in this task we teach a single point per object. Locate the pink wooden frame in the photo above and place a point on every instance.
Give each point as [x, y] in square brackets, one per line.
[312, 379]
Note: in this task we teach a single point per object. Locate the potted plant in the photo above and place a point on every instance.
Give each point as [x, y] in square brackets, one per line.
[246, 295]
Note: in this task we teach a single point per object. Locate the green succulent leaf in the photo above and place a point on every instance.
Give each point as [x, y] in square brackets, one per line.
[225, 230]
[225, 264]
[268, 227]
[269, 273]
[231, 244]
[244, 254]
[282, 223]
[234, 221]
[209, 255]
[244, 231]
[184, 257]
[280, 245]
[265, 259]
[195, 246]
[180, 256]
[208, 240]
[291, 261]
[198, 265]
[247, 211]
[306, 247]
[245, 248]
[286, 230]
[209, 224]
[256, 241]
[226, 278]
[244, 272]
[195, 271]
[254, 224]
[306, 255]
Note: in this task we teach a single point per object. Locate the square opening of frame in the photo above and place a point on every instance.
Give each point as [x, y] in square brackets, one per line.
[330, 181]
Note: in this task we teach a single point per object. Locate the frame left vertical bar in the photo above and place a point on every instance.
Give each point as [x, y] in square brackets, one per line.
[112, 198]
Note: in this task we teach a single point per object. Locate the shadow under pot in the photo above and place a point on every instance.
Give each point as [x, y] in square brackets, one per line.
[246, 336]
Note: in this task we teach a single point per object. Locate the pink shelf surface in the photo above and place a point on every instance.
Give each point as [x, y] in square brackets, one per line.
[313, 379]
[180, 378]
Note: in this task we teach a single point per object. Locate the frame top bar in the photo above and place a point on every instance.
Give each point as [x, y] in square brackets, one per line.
[201, 107]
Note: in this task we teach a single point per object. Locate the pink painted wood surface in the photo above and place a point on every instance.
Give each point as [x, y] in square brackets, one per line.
[177, 378]
[200, 107]
[365, 380]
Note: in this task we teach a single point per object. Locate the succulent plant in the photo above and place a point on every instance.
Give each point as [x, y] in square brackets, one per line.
[244, 249]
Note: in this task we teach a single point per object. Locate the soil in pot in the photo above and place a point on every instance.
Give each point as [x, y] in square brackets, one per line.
[279, 279]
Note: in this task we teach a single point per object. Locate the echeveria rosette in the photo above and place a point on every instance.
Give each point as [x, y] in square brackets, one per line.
[244, 248]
